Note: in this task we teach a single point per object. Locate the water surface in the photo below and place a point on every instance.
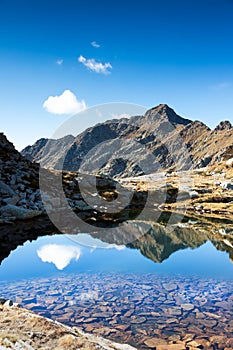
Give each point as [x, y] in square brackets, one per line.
[164, 286]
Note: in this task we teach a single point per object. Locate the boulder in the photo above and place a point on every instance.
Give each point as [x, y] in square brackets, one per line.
[5, 189]
[18, 212]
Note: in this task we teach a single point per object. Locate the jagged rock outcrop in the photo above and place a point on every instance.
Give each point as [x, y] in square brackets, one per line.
[160, 139]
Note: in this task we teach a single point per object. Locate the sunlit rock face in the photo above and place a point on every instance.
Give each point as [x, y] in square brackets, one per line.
[160, 138]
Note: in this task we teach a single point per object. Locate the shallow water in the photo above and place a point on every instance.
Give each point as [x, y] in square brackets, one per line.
[162, 290]
[130, 307]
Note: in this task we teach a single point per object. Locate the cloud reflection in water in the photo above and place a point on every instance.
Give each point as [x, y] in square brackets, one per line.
[59, 255]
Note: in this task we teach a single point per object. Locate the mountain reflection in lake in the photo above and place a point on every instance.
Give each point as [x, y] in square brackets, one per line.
[164, 285]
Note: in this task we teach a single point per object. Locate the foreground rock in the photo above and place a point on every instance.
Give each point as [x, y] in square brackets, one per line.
[19, 212]
[22, 329]
[19, 184]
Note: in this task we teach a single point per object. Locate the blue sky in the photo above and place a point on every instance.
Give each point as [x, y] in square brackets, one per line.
[177, 52]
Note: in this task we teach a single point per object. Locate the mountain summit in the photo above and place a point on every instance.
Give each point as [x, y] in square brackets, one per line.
[164, 112]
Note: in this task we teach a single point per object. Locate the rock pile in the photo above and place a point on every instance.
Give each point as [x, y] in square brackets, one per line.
[19, 184]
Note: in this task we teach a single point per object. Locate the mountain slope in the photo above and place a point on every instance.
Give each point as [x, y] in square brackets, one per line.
[159, 140]
[48, 151]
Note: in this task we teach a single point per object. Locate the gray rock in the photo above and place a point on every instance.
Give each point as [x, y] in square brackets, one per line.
[23, 201]
[12, 200]
[20, 213]
[13, 180]
[21, 187]
[4, 188]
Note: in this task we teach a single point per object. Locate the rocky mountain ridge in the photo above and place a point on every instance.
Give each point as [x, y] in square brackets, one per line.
[57, 148]
[138, 145]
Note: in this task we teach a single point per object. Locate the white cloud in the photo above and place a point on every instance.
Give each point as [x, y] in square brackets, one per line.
[66, 103]
[59, 255]
[120, 116]
[95, 66]
[60, 61]
[95, 44]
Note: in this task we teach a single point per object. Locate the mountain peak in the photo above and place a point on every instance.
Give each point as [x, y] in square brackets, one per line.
[163, 107]
[165, 112]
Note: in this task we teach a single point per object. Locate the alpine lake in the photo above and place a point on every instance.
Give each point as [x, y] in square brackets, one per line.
[171, 284]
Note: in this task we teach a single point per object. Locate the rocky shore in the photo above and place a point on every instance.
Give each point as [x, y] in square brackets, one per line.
[206, 192]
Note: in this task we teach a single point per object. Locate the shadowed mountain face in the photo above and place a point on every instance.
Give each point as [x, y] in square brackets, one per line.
[138, 145]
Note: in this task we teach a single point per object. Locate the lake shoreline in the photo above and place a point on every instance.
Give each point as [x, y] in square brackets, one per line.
[30, 331]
